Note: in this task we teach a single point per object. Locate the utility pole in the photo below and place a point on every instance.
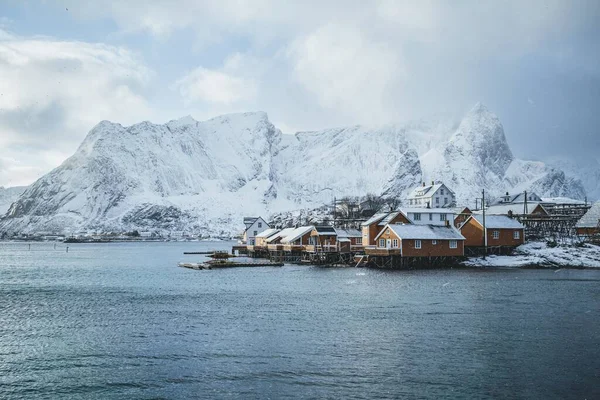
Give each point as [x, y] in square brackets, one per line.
[525, 204]
[484, 229]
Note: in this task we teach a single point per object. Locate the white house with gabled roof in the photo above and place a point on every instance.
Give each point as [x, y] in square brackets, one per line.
[436, 195]
[430, 216]
[254, 226]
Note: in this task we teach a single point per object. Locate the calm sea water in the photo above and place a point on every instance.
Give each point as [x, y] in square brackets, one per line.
[123, 321]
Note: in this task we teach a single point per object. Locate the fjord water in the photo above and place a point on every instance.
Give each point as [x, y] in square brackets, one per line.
[123, 321]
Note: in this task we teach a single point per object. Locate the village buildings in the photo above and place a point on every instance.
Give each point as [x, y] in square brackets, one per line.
[427, 230]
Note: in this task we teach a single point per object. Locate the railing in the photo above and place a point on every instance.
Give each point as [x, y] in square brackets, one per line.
[292, 247]
[327, 248]
[380, 251]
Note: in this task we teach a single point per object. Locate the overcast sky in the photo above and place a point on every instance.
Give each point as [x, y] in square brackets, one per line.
[66, 65]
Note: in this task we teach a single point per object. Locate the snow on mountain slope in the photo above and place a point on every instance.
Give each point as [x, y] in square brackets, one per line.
[317, 166]
[478, 156]
[166, 177]
[586, 170]
[8, 196]
[203, 177]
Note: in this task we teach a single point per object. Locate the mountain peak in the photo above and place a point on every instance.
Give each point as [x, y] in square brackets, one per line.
[183, 121]
[479, 108]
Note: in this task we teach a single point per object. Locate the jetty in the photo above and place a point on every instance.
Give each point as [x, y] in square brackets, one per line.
[229, 264]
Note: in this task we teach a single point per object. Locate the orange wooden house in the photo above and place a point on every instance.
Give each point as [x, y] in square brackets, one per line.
[297, 239]
[418, 241]
[374, 225]
[322, 239]
[460, 215]
[502, 231]
[349, 240]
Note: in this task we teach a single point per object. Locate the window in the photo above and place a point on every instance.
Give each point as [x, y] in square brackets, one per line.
[255, 233]
[430, 216]
[395, 243]
[417, 244]
[445, 200]
[434, 242]
[442, 191]
[516, 235]
[437, 200]
[443, 217]
[496, 234]
[311, 240]
[260, 224]
[358, 240]
[417, 216]
[453, 244]
[382, 243]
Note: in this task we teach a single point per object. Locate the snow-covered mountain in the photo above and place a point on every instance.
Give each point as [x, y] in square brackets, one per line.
[587, 170]
[9, 196]
[203, 177]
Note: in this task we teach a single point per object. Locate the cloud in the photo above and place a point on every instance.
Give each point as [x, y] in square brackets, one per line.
[347, 72]
[52, 92]
[215, 86]
[310, 64]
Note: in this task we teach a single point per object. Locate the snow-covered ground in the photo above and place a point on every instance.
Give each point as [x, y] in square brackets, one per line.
[539, 254]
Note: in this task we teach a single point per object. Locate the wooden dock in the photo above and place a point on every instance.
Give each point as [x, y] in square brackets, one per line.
[229, 264]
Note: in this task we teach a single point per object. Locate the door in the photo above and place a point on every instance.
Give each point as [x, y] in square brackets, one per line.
[388, 243]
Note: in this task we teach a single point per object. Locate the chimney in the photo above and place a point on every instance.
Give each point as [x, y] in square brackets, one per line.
[507, 193]
[447, 224]
[432, 183]
[423, 184]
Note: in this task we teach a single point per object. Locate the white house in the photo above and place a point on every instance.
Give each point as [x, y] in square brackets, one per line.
[436, 195]
[254, 226]
[518, 198]
[430, 216]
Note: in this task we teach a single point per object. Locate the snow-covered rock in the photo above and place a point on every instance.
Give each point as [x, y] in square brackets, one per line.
[538, 254]
[203, 177]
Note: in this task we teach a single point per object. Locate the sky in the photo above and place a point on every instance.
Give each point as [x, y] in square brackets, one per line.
[65, 65]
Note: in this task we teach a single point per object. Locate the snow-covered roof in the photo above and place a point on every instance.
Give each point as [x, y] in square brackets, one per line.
[425, 232]
[348, 233]
[459, 210]
[516, 198]
[591, 218]
[562, 200]
[296, 234]
[426, 191]
[374, 219]
[390, 217]
[267, 233]
[343, 239]
[281, 234]
[249, 220]
[497, 222]
[503, 209]
[325, 230]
